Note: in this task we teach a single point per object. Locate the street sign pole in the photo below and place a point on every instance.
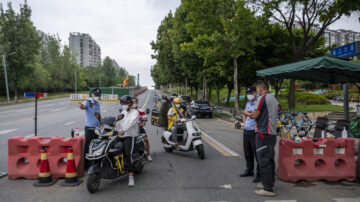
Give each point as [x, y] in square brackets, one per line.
[36, 99]
[6, 80]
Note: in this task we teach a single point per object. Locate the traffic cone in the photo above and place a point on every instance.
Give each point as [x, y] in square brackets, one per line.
[44, 179]
[71, 178]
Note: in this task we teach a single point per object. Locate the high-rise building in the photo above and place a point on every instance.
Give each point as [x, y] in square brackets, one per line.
[340, 37]
[85, 50]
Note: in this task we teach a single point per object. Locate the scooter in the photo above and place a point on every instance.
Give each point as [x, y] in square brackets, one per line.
[189, 137]
[106, 154]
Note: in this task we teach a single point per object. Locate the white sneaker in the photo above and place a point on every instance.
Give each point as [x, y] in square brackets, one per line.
[261, 186]
[149, 158]
[263, 192]
[131, 181]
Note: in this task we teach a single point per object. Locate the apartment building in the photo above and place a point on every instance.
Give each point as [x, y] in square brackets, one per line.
[85, 50]
[340, 37]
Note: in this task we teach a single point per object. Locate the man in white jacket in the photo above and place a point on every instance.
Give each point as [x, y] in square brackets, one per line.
[129, 129]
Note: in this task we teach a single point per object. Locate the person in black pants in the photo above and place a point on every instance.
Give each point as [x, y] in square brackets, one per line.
[249, 136]
[266, 114]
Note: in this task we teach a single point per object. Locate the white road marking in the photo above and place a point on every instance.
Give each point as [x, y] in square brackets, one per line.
[147, 99]
[24, 110]
[69, 123]
[29, 136]
[282, 201]
[3, 132]
[218, 144]
[55, 110]
[347, 199]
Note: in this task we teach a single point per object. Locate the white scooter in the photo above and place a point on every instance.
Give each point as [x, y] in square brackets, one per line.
[189, 137]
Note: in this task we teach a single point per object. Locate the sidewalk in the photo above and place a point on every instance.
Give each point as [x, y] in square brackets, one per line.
[225, 133]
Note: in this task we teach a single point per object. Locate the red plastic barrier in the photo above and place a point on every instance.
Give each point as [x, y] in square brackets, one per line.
[24, 156]
[316, 159]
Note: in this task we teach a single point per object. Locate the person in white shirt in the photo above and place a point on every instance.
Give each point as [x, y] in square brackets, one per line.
[128, 128]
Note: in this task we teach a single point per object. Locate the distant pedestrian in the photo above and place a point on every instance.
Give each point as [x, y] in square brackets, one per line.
[155, 99]
[163, 117]
[92, 119]
[249, 136]
[266, 114]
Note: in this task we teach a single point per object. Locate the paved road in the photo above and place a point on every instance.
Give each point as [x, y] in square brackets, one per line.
[170, 177]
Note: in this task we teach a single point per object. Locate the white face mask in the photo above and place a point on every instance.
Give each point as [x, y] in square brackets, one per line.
[251, 97]
[125, 107]
[96, 99]
[134, 106]
[177, 105]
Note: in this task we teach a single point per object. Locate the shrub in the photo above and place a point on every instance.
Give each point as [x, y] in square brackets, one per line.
[309, 98]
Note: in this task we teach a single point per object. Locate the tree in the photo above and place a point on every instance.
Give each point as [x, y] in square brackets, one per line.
[309, 16]
[18, 34]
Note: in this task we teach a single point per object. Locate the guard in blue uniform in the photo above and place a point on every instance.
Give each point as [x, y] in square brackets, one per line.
[92, 119]
[249, 136]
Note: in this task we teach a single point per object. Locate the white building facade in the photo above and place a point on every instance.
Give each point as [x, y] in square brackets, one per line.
[85, 50]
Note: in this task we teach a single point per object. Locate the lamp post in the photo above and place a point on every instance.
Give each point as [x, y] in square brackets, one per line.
[6, 80]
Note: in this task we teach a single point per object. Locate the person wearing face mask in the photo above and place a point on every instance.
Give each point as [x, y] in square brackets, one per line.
[175, 113]
[92, 119]
[128, 129]
[249, 136]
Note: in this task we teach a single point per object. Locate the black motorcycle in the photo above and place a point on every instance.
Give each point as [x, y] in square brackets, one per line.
[106, 154]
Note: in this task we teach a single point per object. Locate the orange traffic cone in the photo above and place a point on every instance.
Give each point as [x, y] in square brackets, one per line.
[71, 178]
[44, 174]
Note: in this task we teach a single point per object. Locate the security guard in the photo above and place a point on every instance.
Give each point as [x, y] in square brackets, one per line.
[92, 119]
[249, 136]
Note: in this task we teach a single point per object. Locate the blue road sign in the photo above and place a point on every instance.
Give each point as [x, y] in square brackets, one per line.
[347, 50]
[29, 94]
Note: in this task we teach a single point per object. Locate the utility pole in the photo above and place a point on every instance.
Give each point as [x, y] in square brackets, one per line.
[6, 80]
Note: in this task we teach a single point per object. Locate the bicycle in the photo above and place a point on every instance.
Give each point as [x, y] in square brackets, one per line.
[282, 126]
[304, 126]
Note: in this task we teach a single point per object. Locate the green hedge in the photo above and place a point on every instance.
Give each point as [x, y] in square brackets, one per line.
[304, 98]
[309, 98]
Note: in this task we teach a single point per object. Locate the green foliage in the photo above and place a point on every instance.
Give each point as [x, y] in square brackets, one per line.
[304, 98]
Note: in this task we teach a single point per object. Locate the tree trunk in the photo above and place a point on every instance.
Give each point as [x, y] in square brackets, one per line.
[191, 90]
[186, 86]
[228, 96]
[16, 95]
[277, 93]
[218, 94]
[197, 92]
[291, 95]
[204, 87]
[210, 90]
[236, 90]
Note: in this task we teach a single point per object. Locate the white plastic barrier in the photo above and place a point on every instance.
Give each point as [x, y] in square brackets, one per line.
[109, 97]
[79, 97]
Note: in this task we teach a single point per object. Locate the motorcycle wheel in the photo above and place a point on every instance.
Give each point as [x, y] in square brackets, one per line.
[139, 168]
[200, 151]
[168, 149]
[93, 182]
[237, 125]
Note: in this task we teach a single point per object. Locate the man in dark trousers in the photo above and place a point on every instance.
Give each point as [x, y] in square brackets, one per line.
[249, 136]
[92, 119]
[266, 114]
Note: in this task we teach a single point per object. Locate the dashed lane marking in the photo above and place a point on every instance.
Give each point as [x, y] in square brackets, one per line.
[3, 132]
[55, 110]
[69, 123]
[224, 150]
[147, 99]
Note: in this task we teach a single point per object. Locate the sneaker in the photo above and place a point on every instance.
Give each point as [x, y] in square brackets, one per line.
[131, 181]
[149, 158]
[261, 186]
[263, 192]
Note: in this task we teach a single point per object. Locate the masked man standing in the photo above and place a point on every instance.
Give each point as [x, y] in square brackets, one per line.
[92, 119]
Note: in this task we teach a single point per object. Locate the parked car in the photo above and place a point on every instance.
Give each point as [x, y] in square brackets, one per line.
[200, 108]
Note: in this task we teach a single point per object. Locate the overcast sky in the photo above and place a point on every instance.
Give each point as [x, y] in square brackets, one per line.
[122, 28]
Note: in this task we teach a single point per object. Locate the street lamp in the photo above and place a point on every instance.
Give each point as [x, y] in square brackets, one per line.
[6, 81]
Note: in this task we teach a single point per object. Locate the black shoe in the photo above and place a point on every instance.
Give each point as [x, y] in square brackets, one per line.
[247, 174]
[257, 179]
